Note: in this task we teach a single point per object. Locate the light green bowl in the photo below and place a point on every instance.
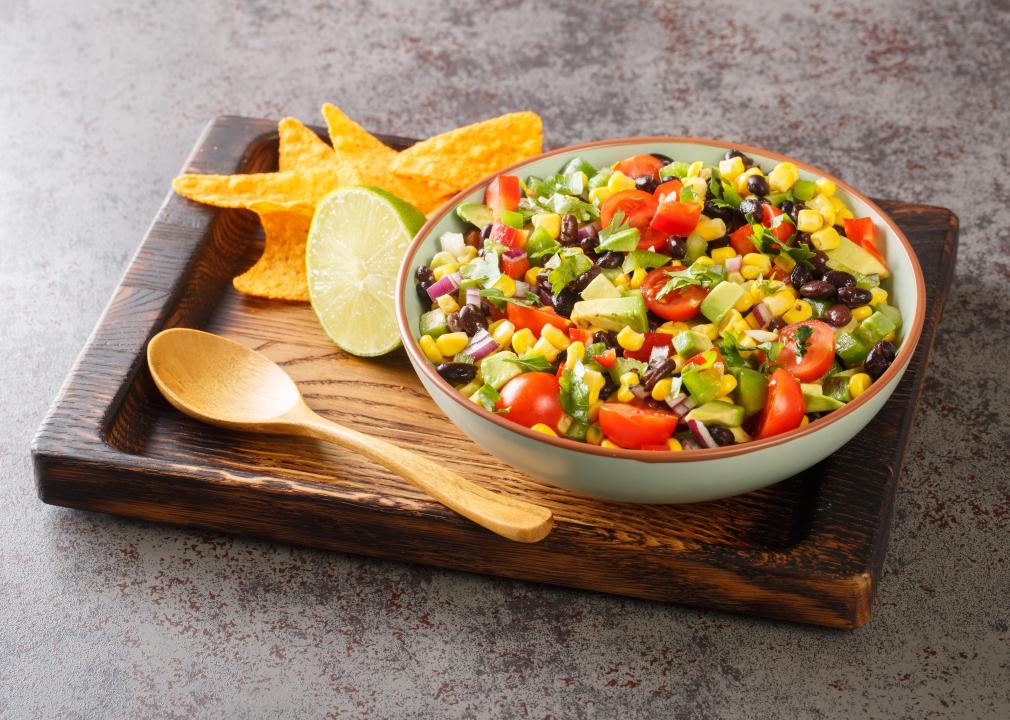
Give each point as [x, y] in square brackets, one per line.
[663, 477]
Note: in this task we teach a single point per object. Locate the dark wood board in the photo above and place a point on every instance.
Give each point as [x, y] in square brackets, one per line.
[808, 549]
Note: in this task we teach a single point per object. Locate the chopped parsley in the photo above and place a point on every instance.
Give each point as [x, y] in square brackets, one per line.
[497, 298]
[533, 363]
[565, 266]
[486, 396]
[706, 276]
[802, 339]
[574, 394]
[483, 270]
[618, 235]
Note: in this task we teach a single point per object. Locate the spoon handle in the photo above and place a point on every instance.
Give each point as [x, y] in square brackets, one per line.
[511, 518]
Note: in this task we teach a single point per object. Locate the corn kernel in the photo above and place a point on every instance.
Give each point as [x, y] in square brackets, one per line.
[624, 394]
[629, 378]
[861, 313]
[637, 277]
[828, 217]
[878, 296]
[448, 304]
[674, 445]
[710, 228]
[808, 221]
[749, 299]
[704, 261]
[609, 444]
[843, 215]
[805, 421]
[781, 301]
[622, 281]
[759, 260]
[727, 384]
[503, 332]
[678, 363]
[825, 187]
[471, 387]
[442, 257]
[442, 270]
[564, 423]
[523, 340]
[889, 337]
[593, 414]
[736, 277]
[800, 311]
[468, 254]
[749, 272]
[599, 195]
[709, 330]
[731, 169]
[698, 186]
[694, 169]
[819, 203]
[785, 262]
[619, 181]
[721, 255]
[826, 239]
[661, 390]
[783, 176]
[531, 275]
[430, 349]
[594, 433]
[858, 384]
[544, 348]
[506, 284]
[595, 382]
[551, 222]
[451, 343]
[576, 352]
[673, 328]
[545, 429]
[629, 339]
[555, 337]
[836, 204]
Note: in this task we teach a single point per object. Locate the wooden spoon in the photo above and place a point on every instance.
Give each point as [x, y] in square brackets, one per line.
[223, 383]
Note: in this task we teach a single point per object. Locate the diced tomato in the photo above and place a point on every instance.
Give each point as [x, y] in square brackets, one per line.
[635, 425]
[507, 235]
[607, 358]
[783, 410]
[818, 354]
[638, 166]
[532, 398]
[652, 339]
[638, 208]
[785, 228]
[681, 304]
[535, 318]
[583, 336]
[650, 238]
[863, 232]
[502, 194]
[515, 267]
[674, 217]
[740, 240]
[667, 188]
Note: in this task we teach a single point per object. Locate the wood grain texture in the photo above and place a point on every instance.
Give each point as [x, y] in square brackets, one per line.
[808, 549]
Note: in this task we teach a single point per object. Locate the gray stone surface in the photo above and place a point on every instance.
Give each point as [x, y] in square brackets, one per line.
[99, 105]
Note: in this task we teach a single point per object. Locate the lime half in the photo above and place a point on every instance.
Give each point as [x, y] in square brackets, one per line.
[357, 239]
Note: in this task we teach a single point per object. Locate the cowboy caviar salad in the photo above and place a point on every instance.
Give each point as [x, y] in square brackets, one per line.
[659, 304]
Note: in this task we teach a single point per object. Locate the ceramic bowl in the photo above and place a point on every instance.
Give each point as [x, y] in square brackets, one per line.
[648, 476]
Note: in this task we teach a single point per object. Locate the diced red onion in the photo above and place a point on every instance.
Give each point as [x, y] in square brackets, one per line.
[449, 283]
[734, 264]
[762, 335]
[452, 242]
[522, 288]
[473, 296]
[481, 345]
[763, 314]
[690, 445]
[701, 434]
[683, 406]
[639, 391]
[515, 253]
[659, 352]
[584, 231]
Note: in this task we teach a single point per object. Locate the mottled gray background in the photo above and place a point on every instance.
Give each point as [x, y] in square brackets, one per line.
[101, 101]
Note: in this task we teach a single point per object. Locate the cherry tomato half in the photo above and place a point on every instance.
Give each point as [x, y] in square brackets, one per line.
[681, 304]
[638, 166]
[638, 208]
[783, 410]
[633, 425]
[818, 354]
[532, 398]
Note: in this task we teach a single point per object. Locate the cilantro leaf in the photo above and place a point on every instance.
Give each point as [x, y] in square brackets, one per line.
[618, 235]
[564, 267]
[533, 363]
[643, 259]
[706, 276]
[486, 396]
[574, 394]
[729, 346]
[802, 339]
[497, 298]
[482, 269]
[771, 351]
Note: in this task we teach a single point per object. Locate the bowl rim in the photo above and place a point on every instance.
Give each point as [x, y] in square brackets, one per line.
[418, 359]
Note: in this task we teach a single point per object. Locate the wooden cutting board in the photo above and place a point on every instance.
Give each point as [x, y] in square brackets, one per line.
[808, 549]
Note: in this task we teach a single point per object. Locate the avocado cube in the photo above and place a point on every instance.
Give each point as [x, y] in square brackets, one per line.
[751, 389]
[718, 412]
[600, 288]
[434, 323]
[702, 384]
[819, 307]
[814, 399]
[721, 300]
[477, 214]
[850, 349]
[837, 387]
[690, 343]
[849, 256]
[499, 368]
[873, 329]
[612, 314]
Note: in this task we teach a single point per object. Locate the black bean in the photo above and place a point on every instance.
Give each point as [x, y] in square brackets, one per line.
[646, 183]
[471, 320]
[425, 276]
[609, 386]
[837, 315]
[657, 370]
[726, 214]
[751, 207]
[819, 260]
[486, 306]
[879, 359]
[485, 232]
[582, 281]
[663, 158]
[787, 207]
[472, 239]
[758, 185]
[854, 296]
[721, 435]
[456, 373]
[564, 301]
[676, 247]
[747, 162]
[569, 230]
[801, 275]
[840, 278]
[453, 322]
[607, 338]
[817, 289]
[776, 323]
[610, 259]
[592, 239]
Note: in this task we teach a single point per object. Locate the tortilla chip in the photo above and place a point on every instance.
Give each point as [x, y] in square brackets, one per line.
[279, 274]
[291, 188]
[373, 172]
[300, 148]
[461, 157]
[351, 141]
